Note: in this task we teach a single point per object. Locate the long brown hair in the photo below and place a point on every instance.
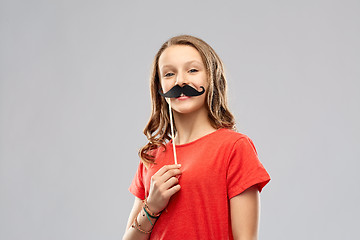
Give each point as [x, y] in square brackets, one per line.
[158, 129]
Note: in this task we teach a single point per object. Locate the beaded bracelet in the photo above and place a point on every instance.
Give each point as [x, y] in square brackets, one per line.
[137, 226]
[148, 217]
[148, 214]
[147, 210]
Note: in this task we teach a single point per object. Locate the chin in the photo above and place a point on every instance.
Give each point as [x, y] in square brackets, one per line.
[187, 109]
[184, 111]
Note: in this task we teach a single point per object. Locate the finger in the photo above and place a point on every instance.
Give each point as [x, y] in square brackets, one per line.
[170, 183]
[171, 191]
[170, 173]
[166, 168]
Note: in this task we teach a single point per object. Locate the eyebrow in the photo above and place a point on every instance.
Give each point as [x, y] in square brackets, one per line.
[187, 63]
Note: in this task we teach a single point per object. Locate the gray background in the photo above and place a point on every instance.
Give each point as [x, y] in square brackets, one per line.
[75, 99]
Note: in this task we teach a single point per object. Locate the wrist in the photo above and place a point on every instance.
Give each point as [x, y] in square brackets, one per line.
[151, 210]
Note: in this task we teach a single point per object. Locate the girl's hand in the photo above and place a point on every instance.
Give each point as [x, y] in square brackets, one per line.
[164, 184]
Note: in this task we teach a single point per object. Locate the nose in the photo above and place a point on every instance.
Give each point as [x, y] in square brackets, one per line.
[180, 79]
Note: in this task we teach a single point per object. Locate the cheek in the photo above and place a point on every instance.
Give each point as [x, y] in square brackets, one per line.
[203, 84]
[203, 80]
[166, 86]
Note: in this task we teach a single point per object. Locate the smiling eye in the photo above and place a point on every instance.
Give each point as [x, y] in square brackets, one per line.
[193, 70]
[168, 74]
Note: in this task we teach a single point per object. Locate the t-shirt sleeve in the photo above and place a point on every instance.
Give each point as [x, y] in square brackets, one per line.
[244, 168]
[137, 185]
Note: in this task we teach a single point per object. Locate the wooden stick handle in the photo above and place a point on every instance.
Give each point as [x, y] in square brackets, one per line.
[172, 131]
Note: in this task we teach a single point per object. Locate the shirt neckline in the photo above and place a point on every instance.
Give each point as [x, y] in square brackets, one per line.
[196, 140]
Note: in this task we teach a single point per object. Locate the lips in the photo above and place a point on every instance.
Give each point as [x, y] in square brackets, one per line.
[182, 97]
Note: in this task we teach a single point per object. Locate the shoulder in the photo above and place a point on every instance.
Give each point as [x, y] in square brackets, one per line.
[229, 136]
[235, 142]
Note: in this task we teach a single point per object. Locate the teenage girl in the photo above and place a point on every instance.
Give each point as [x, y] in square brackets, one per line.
[213, 190]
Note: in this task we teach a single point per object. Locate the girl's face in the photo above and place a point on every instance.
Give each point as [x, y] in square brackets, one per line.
[182, 64]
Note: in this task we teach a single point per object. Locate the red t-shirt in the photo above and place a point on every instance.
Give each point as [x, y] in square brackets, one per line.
[215, 168]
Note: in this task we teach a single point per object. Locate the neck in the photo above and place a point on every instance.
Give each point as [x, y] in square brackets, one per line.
[192, 126]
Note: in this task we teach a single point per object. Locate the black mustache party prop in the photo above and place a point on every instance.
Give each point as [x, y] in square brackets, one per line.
[176, 91]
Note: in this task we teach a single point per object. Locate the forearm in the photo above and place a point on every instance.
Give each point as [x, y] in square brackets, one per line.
[246, 238]
[144, 224]
[245, 214]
